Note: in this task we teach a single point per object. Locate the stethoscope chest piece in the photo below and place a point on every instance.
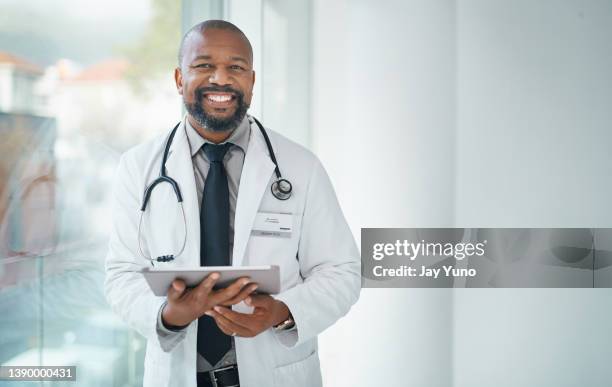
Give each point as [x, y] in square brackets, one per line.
[281, 189]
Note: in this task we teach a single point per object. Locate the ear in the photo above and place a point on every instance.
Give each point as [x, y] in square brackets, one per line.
[252, 85]
[178, 79]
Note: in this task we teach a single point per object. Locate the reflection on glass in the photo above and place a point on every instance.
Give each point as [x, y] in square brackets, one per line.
[77, 88]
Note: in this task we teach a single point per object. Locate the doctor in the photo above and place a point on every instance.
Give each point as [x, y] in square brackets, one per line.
[225, 169]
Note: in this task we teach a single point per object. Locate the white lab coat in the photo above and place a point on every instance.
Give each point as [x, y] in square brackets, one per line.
[319, 263]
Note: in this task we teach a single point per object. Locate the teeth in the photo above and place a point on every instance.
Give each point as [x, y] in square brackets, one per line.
[219, 98]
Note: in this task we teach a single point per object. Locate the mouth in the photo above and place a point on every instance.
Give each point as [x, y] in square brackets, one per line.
[219, 100]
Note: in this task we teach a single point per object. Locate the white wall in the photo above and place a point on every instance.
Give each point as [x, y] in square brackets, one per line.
[472, 113]
[534, 96]
[533, 150]
[383, 125]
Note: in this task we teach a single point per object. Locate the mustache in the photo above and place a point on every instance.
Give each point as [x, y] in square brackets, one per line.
[200, 91]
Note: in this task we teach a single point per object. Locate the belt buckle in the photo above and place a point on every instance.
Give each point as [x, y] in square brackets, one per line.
[213, 376]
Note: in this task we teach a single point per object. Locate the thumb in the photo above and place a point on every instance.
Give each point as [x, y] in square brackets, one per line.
[176, 290]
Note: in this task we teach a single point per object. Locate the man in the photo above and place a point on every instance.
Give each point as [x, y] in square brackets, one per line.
[219, 158]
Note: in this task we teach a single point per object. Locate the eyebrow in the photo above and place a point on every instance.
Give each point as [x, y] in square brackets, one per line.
[233, 58]
[239, 59]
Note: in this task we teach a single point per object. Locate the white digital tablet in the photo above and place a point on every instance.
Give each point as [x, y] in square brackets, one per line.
[266, 277]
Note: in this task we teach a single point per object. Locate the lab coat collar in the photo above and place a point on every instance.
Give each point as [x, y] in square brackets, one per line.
[254, 180]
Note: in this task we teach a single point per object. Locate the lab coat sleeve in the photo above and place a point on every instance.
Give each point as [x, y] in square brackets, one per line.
[166, 335]
[329, 263]
[125, 288]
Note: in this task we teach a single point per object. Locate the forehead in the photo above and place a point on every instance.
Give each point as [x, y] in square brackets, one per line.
[218, 44]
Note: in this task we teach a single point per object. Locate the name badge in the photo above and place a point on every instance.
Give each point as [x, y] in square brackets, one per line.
[273, 225]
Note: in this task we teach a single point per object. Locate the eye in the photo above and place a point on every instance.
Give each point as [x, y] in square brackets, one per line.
[236, 68]
[203, 66]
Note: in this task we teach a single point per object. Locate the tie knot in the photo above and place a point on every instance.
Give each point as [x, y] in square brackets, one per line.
[215, 153]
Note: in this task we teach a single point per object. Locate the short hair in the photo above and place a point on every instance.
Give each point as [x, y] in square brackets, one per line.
[211, 24]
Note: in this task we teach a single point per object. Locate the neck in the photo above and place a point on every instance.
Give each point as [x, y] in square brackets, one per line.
[212, 136]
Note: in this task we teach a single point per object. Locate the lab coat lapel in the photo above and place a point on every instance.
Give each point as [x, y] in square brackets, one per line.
[179, 166]
[254, 180]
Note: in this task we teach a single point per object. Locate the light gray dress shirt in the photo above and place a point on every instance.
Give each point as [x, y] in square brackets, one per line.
[233, 161]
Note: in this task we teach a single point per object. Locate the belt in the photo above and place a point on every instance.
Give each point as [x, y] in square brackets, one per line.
[221, 377]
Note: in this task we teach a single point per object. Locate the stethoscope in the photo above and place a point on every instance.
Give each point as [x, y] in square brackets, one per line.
[281, 189]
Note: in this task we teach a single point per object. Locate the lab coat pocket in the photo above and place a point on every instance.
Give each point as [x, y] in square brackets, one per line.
[282, 252]
[273, 240]
[264, 250]
[305, 372]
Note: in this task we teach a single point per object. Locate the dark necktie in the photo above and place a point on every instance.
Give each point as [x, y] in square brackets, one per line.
[214, 250]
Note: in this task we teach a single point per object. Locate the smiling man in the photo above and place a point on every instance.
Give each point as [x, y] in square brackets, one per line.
[225, 167]
[215, 77]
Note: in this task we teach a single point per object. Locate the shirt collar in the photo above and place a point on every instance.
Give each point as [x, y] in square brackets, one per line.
[239, 137]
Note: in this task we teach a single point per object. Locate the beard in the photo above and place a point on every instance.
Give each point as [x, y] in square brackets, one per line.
[209, 121]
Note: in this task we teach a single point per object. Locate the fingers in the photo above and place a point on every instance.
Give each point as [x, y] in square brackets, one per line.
[225, 329]
[176, 289]
[244, 293]
[240, 319]
[258, 300]
[222, 295]
[230, 330]
[228, 326]
[204, 288]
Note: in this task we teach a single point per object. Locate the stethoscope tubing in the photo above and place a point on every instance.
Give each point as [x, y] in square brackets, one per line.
[276, 188]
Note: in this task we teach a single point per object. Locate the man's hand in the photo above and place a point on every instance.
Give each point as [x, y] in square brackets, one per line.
[185, 305]
[268, 312]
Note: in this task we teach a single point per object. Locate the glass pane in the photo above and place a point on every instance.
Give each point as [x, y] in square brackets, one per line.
[79, 84]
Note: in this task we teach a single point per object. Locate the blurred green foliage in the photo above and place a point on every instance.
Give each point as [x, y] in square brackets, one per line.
[154, 55]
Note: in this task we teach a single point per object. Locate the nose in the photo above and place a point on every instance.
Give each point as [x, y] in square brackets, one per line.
[220, 77]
